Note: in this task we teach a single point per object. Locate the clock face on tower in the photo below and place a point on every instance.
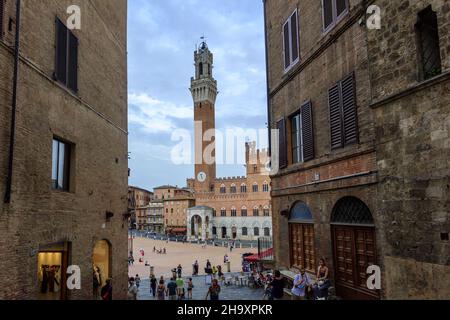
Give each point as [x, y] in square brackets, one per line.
[201, 177]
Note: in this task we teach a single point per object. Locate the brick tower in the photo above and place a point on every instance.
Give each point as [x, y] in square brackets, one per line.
[204, 93]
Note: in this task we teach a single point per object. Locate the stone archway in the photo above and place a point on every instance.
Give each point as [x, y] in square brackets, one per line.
[199, 223]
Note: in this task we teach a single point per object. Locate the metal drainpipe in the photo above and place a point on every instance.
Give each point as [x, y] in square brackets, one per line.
[14, 105]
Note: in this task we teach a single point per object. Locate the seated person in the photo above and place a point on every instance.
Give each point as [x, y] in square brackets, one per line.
[323, 283]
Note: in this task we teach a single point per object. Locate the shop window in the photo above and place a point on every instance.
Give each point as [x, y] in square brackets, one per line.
[52, 261]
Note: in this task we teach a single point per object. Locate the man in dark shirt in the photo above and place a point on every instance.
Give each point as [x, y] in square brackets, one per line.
[172, 289]
[277, 285]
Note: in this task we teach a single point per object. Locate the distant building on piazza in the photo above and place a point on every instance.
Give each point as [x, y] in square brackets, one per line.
[229, 207]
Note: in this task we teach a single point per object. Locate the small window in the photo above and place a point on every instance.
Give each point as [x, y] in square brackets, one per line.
[256, 232]
[291, 41]
[266, 232]
[66, 71]
[265, 187]
[428, 46]
[60, 165]
[256, 212]
[266, 212]
[243, 188]
[200, 68]
[244, 212]
[233, 212]
[244, 232]
[223, 189]
[333, 11]
[223, 213]
[255, 188]
[233, 189]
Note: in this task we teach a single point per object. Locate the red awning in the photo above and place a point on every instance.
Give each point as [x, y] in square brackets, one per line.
[259, 257]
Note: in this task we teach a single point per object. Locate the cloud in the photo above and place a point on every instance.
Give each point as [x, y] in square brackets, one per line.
[155, 116]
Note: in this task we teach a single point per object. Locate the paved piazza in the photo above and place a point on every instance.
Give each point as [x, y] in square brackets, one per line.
[186, 254]
[181, 253]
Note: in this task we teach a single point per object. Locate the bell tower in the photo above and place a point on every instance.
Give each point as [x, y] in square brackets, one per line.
[204, 92]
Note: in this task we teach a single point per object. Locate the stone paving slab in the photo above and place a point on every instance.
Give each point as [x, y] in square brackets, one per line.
[200, 289]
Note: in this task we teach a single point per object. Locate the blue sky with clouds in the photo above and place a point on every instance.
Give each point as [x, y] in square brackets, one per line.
[162, 35]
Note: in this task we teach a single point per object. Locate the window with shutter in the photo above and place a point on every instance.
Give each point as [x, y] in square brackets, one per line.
[2, 7]
[349, 110]
[291, 41]
[281, 125]
[66, 57]
[343, 113]
[307, 131]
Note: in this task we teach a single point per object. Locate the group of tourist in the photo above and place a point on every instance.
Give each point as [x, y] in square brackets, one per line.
[303, 286]
[174, 290]
[160, 251]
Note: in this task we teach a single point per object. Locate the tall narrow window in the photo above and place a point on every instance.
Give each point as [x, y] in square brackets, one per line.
[302, 134]
[244, 212]
[233, 212]
[233, 189]
[343, 113]
[256, 232]
[297, 141]
[223, 212]
[255, 187]
[243, 188]
[66, 57]
[333, 11]
[60, 165]
[282, 143]
[200, 69]
[428, 44]
[255, 212]
[2, 5]
[291, 41]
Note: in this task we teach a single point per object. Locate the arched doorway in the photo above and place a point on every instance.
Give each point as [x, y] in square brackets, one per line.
[354, 248]
[196, 226]
[234, 232]
[101, 262]
[224, 232]
[301, 234]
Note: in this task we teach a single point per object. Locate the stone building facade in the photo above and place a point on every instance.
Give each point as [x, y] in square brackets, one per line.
[68, 199]
[175, 210]
[138, 201]
[155, 217]
[363, 176]
[241, 207]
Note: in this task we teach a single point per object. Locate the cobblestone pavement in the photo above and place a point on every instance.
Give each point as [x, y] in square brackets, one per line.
[200, 289]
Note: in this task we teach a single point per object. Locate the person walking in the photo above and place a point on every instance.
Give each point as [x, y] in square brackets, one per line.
[190, 287]
[161, 290]
[180, 287]
[213, 291]
[106, 291]
[302, 283]
[137, 281]
[132, 290]
[172, 289]
[153, 283]
[196, 268]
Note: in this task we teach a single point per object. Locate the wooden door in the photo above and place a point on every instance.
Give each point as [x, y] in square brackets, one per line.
[354, 251]
[302, 246]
